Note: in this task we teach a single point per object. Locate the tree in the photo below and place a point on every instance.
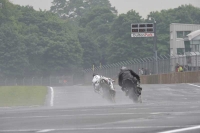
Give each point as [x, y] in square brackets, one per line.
[94, 35]
[13, 58]
[122, 46]
[61, 58]
[28, 38]
[75, 9]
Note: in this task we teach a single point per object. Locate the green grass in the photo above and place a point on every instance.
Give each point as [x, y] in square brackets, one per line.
[22, 95]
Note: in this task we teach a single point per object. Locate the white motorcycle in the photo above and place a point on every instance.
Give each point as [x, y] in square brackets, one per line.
[107, 89]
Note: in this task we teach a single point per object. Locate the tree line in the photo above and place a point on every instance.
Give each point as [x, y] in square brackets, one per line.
[76, 34]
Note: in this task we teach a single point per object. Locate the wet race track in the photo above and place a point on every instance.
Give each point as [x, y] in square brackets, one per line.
[77, 109]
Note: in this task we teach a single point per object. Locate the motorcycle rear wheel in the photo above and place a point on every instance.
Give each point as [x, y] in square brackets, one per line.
[133, 96]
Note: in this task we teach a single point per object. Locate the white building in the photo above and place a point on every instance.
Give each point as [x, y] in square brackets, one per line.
[178, 32]
[185, 45]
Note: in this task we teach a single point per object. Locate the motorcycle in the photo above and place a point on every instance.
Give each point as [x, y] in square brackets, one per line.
[132, 90]
[106, 91]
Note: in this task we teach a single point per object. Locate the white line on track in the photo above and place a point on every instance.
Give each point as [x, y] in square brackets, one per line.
[46, 130]
[194, 85]
[52, 97]
[181, 130]
[92, 128]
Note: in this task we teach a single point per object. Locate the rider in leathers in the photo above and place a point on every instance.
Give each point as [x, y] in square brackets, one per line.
[96, 81]
[125, 74]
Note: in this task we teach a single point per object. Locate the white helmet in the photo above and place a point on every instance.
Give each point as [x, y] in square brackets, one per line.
[123, 68]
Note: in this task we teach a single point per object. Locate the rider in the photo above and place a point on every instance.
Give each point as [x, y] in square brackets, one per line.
[125, 74]
[96, 81]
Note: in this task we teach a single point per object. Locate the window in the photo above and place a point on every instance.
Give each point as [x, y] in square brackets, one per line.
[197, 48]
[187, 46]
[186, 33]
[180, 51]
[179, 34]
[182, 34]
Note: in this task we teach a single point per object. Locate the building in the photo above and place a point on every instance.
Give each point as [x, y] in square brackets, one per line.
[177, 34]
[185, 45]
[192, 41]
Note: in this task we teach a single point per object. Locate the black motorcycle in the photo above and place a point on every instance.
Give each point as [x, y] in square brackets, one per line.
[132, 90]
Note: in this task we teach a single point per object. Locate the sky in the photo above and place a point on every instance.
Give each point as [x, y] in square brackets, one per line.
[144, 7]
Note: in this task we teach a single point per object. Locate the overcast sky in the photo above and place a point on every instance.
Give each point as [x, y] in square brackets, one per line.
[144, 7]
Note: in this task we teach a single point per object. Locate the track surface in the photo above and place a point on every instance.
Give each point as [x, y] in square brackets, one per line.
[77, 109]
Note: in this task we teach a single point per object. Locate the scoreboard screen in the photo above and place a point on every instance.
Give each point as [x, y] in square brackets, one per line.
[143, 27]
[142, 30]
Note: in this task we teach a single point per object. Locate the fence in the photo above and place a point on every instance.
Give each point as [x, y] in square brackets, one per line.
[165, 64]
[172, 78]
[149, 64]
[190, 61]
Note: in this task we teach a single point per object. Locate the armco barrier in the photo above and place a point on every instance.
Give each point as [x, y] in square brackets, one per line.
[172, 78]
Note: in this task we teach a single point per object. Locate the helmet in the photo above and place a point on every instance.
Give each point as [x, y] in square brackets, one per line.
[123, 68]
[94, 74]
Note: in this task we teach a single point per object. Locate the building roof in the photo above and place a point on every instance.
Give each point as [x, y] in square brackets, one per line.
[193, 34]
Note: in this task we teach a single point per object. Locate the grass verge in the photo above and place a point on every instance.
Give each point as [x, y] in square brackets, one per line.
[22, 95]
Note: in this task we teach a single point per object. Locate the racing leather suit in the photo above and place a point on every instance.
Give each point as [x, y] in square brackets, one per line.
[97, 79]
